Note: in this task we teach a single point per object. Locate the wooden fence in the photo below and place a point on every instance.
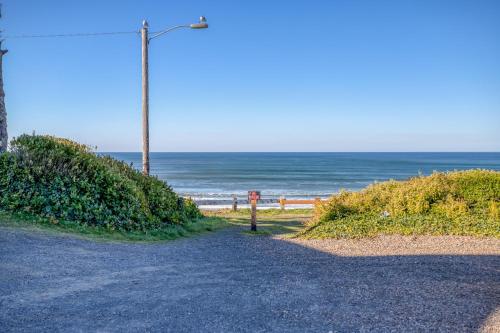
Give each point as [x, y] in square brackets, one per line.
[282, 201]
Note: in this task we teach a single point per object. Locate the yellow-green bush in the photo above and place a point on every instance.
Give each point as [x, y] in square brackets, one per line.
[461, 202]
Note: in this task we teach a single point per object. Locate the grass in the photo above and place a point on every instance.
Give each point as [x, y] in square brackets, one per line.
[269, 222]
[168, 232]
[371, 225]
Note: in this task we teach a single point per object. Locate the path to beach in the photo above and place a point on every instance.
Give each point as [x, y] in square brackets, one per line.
[231, 282]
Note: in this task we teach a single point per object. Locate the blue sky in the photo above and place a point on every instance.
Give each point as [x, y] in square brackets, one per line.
[338, 75]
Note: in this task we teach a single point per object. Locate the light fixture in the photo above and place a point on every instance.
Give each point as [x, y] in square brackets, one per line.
[202, 24]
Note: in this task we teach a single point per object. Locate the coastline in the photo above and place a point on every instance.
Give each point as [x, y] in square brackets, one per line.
[212, 179]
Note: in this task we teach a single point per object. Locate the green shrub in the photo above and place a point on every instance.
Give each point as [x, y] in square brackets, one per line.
[460, 203]
[61, 179]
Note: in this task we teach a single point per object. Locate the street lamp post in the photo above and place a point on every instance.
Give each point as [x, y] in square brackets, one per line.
[202, 24]
[145, 99]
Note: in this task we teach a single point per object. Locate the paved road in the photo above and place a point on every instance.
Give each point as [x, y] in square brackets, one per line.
[231, 282]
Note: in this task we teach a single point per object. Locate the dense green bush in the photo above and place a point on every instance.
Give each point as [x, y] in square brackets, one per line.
[459, 203]
[61, 179]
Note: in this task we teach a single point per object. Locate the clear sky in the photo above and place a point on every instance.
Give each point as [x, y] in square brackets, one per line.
[337, 75]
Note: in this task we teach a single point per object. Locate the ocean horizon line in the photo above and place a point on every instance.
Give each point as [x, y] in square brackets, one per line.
[304, 152]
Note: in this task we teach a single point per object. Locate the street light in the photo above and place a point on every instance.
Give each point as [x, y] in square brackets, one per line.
[202, 24]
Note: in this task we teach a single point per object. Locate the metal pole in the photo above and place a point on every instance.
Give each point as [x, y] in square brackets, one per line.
[145, 99]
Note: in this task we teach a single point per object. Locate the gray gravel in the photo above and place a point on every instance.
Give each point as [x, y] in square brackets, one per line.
[231, 282]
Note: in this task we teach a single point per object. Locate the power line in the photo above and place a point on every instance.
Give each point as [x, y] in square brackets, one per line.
[91, 34]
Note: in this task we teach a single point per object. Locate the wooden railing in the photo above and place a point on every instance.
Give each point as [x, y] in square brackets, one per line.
[284, 201]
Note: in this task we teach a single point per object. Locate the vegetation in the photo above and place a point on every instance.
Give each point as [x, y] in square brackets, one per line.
[269, 222]
[455, 203]
[60, 180]
[166, 232]
[57, 184]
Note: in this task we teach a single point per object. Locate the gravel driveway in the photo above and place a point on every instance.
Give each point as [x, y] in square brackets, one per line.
[231, 282]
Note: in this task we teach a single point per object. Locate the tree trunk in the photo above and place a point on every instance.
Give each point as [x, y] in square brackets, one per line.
[4, 139]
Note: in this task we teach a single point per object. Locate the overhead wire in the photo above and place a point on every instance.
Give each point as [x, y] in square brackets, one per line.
[89, 34]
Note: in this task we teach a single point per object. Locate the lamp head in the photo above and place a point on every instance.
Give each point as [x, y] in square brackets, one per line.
[202, 24]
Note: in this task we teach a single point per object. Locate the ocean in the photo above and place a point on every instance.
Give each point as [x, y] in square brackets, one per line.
[218, 176]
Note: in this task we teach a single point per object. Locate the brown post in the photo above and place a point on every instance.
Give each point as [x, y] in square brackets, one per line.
[282, 203]
[145, 99]
[253, 221]
[4, 138]
[235, 203]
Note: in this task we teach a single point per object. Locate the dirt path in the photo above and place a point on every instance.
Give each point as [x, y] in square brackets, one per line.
[232, 282]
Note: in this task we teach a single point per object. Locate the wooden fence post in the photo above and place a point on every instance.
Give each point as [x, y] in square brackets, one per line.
[253, 196]
[253, 222]
[235, 203]
[282, 203]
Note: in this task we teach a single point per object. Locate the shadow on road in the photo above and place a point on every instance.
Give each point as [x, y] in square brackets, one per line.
[229, 281]
[454, 293]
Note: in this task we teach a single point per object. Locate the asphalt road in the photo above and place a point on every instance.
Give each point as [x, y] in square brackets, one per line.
[231, 282]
